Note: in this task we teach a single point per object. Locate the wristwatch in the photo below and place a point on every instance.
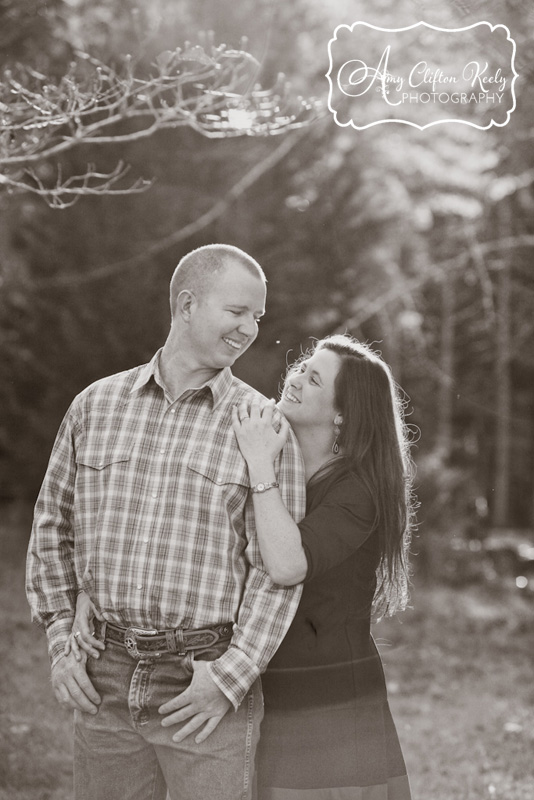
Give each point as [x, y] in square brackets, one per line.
[263, 487]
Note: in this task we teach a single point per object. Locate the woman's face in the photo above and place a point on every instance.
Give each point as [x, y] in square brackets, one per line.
[308, 395]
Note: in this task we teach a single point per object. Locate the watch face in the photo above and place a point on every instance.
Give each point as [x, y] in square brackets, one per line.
[260, 487]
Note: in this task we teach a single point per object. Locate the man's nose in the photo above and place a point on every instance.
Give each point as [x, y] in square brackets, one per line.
[248, 326]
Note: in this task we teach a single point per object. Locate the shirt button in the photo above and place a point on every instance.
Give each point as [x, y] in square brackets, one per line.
[139, 586]
[145, 540]
[162, 452]
[100, 463]
[154, 494]
[173, 411]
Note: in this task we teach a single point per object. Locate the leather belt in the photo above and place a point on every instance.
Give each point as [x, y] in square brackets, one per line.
[141, 642]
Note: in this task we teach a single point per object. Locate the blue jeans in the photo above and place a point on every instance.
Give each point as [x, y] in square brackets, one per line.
[124, 753]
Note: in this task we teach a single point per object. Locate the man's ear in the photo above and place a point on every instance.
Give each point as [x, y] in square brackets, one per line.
[185, 303]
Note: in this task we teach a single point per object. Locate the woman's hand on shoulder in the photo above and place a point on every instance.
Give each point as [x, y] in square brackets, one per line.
[257, 438]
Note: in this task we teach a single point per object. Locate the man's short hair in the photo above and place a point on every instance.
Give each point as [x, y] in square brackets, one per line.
[197, 270]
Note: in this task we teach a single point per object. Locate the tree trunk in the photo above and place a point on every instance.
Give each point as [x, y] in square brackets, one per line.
[502, 377]
[446, 365]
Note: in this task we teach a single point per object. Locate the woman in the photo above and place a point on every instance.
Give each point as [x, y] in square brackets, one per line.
[328, 732]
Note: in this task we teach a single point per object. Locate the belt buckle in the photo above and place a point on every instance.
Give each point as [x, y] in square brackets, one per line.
[130, 640]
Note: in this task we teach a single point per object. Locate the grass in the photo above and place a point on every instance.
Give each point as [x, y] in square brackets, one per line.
[459, 668]
[35, 733]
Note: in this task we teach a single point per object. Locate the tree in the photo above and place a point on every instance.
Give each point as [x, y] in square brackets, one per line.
[212, 90]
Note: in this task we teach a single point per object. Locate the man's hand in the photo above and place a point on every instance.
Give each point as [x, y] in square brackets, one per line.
[72, 687]
[202, 703]
[82, 636]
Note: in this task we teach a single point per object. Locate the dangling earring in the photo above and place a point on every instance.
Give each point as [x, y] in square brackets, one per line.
[335, 446]
[337, 430]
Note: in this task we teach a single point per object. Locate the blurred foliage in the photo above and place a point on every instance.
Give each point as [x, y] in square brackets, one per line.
[400, 237]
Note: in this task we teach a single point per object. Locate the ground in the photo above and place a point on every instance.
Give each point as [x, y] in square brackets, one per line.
[460, 670]
[459, 666]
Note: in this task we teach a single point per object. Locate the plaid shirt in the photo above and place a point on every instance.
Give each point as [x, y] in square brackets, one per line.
[145, 505]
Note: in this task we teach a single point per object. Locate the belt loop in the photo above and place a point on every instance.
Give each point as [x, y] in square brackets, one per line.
[180, 643]
[100, 630]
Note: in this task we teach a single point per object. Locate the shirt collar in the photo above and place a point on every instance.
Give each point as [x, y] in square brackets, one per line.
[219, 385]
[147, 371]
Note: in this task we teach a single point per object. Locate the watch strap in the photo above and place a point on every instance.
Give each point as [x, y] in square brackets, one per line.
[259, 488]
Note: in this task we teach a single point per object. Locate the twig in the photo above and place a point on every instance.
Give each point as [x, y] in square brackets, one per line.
[216, 211]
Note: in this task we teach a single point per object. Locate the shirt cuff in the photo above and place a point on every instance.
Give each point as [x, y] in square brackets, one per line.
[57, 634]
[234, 673]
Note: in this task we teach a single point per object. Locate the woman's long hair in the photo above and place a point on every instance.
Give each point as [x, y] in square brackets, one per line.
[374, 445]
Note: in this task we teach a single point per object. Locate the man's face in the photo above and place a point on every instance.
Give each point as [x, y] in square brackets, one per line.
[224, 319]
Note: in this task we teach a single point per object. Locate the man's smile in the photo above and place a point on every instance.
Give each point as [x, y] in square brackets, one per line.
[233, 343]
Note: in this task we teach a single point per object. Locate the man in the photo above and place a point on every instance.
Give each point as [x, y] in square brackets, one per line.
[145, 506]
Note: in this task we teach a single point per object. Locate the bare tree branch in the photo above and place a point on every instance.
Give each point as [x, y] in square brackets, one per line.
[216, 211]
[212, 90]
[437, 271]
[76, 186]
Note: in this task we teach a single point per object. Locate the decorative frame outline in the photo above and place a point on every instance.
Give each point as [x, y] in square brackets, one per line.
[350, 28]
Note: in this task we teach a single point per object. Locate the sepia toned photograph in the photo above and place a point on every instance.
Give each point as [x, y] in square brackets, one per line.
[267, 400]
